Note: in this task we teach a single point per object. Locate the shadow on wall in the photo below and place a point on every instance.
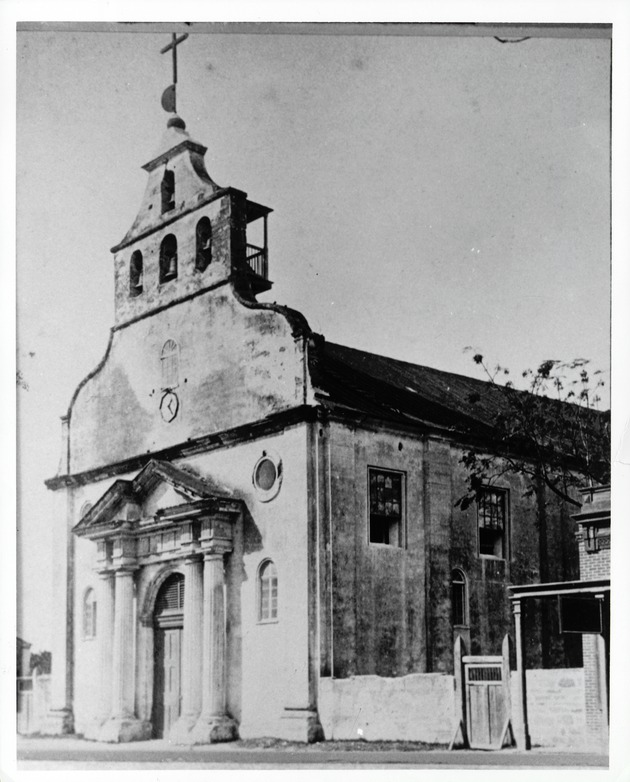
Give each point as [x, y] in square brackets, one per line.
[247, 540]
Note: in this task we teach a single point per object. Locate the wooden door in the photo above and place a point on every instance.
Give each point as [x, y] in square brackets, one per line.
[167, 689]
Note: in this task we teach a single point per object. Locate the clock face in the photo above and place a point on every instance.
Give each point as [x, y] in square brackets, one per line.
[169, 406]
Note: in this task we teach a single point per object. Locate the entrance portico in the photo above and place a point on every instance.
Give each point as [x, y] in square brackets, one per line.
[137, 552]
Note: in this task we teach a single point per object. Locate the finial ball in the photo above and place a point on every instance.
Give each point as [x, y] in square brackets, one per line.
[176, 122]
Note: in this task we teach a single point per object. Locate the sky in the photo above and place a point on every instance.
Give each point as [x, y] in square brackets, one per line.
[429, 193]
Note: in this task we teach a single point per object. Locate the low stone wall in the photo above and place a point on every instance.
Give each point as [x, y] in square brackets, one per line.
[555, 707]
[417, 707]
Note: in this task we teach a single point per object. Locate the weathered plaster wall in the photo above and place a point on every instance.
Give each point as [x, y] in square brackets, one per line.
[378, 591]
[555, 707]
[391, 607]
[268, 671]
[86, 682]
[236, 365]
[417, 707]
[188, 280]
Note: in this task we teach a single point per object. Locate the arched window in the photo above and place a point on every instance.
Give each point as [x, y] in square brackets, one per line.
[89, 614]
[168, 258]
[168, 191]
[267, 592]
[170, 364]
[135, 274]
[203, 254]
[459, 598]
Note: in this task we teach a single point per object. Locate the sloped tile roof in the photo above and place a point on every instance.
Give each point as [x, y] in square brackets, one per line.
[401, 391]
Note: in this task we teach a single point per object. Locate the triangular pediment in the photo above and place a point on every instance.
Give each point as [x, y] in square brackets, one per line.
[157, 489]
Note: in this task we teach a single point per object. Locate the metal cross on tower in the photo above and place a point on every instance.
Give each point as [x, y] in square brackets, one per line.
[168, 96]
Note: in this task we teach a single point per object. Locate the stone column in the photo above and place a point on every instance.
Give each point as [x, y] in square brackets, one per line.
[104, 638]
[123, 725]
[522, 734]
[191, 653]
[213, 725]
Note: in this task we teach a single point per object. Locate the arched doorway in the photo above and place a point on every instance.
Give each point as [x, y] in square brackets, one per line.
[168, 624]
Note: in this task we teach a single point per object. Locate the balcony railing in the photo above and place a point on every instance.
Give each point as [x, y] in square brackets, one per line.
[257, 260]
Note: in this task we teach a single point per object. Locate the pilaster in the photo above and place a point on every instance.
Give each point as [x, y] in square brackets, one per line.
[59, 719]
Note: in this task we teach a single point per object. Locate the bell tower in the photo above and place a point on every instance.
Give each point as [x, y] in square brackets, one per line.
[190, 234]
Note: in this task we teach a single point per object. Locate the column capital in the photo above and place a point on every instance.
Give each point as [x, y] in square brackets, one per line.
[124, 570]
[215, 551]
[216, 533]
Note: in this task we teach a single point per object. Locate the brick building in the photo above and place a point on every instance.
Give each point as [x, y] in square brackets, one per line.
[584, 611]
[256, 531]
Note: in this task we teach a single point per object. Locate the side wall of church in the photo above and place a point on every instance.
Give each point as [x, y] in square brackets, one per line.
[376, 624]
[236, 365]
[392, 606]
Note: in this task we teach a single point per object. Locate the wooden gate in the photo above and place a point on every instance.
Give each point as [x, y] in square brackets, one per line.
[485, 701]
[482, 684]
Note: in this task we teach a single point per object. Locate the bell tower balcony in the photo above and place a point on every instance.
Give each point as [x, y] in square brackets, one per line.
[257, 254]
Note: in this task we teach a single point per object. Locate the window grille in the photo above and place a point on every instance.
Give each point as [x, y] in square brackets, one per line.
[492, 522]
[267, 592]
[89, 614]
[459, 598]
[386, 507]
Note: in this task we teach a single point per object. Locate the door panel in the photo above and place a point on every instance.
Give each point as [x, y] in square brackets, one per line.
[167, 679]
[172, 675]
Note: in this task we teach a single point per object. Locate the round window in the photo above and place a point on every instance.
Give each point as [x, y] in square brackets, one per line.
[267, 476]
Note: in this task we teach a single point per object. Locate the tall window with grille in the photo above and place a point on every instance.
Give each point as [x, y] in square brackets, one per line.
[89, 614]
[492, 521]
[170, 365]
[267, 592]
[459, 598]
[386, 507]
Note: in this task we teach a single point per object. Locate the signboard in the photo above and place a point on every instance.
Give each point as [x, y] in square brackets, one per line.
[580, 614]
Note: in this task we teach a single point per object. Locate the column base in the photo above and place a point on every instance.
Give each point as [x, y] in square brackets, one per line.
[93, 730]
[212, 730]
[181, 732]
[300, 725]
[59, 722]
[122, 729]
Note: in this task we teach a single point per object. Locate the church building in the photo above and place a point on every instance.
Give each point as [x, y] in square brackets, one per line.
[256, 530]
